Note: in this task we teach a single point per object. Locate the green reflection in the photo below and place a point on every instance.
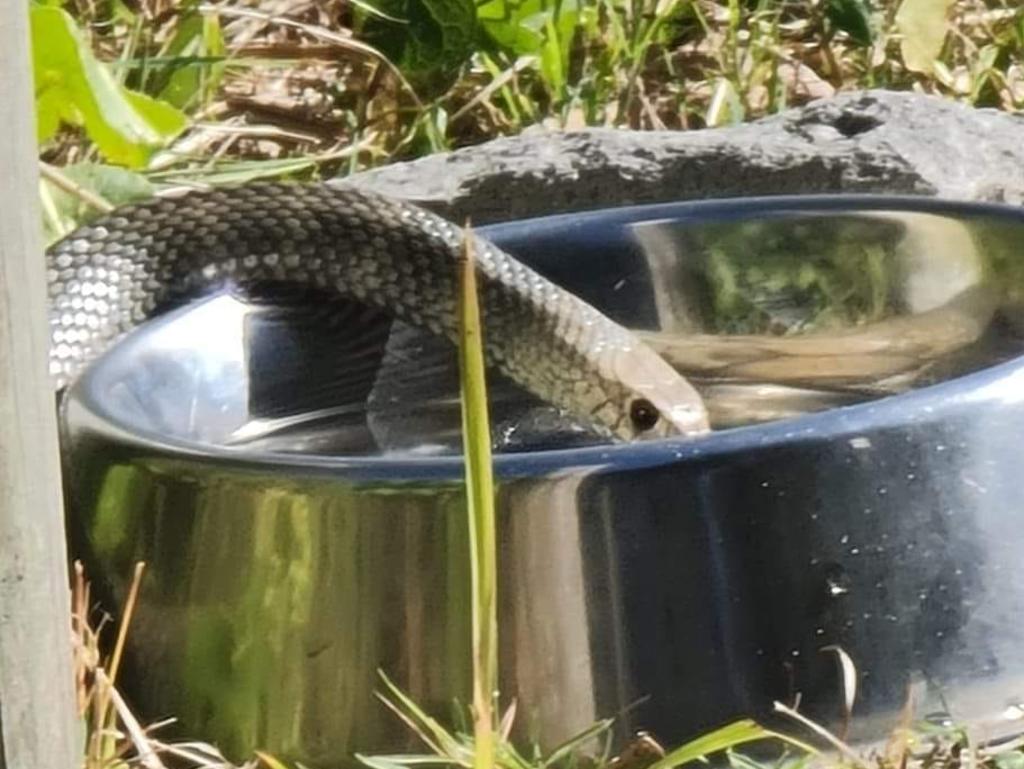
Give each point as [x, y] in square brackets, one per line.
[266, 626]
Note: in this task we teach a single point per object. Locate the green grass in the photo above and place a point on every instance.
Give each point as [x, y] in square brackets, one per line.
[186, 94]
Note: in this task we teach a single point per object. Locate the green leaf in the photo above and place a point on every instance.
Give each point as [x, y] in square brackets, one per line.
[737, 733]
[196, 53]
[923, 25]
[852, 17]
[1011, 759]
[115, 185]
[428, 729]
[515, 26]
[65, 211]
[439, 36]
[574, 743]
[73, 87]
[535, 27]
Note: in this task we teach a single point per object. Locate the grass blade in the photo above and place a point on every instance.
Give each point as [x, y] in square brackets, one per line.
[476, 432]
[730, 736]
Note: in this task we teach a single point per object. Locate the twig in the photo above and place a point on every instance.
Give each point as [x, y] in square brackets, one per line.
[57, 179]
[824, 733]
[146, 755]
[500, 81]
[126, 618]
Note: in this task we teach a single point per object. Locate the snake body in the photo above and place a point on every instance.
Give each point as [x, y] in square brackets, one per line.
[109, 276]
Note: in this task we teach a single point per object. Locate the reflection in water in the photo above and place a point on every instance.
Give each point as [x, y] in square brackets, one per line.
[771, 317]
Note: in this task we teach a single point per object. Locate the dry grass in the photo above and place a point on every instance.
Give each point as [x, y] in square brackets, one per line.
[114, 737]
[297, 79]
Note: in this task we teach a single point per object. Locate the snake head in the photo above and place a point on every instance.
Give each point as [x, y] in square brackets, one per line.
[653, 399]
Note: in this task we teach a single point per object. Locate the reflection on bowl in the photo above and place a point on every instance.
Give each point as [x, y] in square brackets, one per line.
[291, 476]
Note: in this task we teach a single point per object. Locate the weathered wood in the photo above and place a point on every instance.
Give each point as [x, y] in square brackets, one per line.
[36, 698]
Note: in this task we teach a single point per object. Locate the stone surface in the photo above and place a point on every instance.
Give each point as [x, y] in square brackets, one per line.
[873, 141]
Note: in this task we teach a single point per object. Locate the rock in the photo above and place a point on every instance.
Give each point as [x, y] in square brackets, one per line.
[871, 141]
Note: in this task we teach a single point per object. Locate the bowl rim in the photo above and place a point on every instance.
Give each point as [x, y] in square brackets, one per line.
[926, 404]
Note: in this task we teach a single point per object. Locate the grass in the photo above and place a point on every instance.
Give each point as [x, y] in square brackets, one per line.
[339, 86]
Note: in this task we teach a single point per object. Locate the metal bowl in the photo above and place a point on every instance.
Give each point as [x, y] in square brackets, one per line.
[298, 540]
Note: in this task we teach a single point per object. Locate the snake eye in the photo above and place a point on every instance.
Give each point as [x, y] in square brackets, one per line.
[643, 415]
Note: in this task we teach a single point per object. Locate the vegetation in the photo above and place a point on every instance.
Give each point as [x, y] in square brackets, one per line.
[141, 97]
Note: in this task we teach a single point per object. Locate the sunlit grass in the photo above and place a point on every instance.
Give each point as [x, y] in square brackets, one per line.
[333, 88]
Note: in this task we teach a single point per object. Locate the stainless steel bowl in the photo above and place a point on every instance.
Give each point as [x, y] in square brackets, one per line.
[291, 484]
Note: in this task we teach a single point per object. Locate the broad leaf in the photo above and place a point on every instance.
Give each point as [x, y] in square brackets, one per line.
[923, 25]
[73, 87]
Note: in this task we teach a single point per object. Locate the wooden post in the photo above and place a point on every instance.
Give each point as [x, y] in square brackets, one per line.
[37, 718]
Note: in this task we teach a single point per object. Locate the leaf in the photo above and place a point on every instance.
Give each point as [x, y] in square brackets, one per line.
[923, 25]
[428, 729]
[559, 31]
[852, 17]
[516, 26]
[196, 51]
[439, 36]
[848, 674]
[570, 746]
[65, 211]
[483, 551]
[727, 737]
[73, 87]
[1012, 759]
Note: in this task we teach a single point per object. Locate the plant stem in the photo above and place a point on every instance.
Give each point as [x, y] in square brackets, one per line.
[480, 508]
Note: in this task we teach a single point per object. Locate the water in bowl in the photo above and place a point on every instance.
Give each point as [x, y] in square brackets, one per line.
[771, 315]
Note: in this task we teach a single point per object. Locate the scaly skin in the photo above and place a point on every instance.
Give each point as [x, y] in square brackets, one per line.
[111, 275]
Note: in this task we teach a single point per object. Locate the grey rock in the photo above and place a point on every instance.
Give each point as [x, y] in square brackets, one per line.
[870, 141]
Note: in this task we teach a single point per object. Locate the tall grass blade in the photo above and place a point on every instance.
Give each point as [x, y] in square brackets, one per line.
[476, 433]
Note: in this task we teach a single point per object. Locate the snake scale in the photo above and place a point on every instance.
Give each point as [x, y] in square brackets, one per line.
[109, 276]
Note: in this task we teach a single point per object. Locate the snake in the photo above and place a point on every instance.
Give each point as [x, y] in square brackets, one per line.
[112, 274]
